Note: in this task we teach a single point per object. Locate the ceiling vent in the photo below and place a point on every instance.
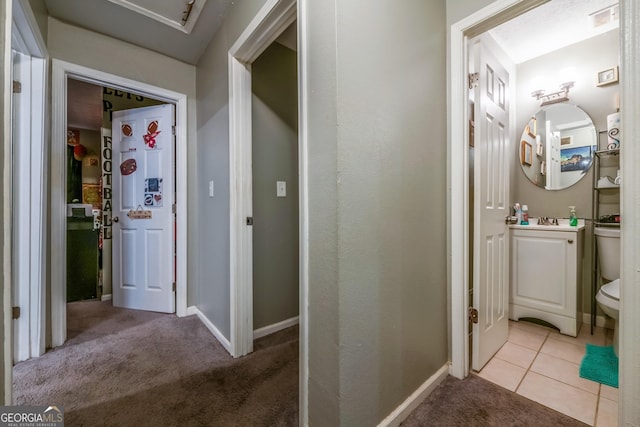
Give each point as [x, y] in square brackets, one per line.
[604, 17]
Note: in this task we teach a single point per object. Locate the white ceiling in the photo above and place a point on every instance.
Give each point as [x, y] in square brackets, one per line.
[124, 23]
[549, 27]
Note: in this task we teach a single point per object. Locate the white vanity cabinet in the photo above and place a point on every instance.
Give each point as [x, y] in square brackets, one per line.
[546, 279]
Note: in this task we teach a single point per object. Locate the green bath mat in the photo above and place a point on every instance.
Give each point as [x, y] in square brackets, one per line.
[600, 364]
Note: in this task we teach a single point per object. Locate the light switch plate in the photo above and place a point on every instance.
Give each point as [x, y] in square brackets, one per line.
[281, 188]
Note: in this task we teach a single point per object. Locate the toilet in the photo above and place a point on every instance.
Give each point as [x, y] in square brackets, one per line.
[608, 297]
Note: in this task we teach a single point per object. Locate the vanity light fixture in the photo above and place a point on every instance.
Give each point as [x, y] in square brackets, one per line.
[553, 97]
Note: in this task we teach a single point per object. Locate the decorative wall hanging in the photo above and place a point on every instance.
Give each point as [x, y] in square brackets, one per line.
[139, 213]
[128, 167]
[73, 137]
[153, 192]
[152, 134]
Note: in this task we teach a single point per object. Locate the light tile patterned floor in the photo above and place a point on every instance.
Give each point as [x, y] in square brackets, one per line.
[543, 365]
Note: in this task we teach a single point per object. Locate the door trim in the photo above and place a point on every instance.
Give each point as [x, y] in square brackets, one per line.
[274, 17]
[61, 70]
[458, 171]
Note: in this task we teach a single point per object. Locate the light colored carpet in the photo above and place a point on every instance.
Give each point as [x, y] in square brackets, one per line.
[131, 368]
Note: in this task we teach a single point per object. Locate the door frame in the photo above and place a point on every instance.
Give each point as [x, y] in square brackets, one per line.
[274, 17]
[270, 21]
[457, 203]
[62, 70]
[30, 263]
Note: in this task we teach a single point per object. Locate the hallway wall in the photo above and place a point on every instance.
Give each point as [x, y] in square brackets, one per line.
[377, 204]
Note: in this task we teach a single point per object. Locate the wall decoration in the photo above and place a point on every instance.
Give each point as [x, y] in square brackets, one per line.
[532, 129]
[91, 195]
[139, 213]
[73, 137]
[613, 131]
[153, 192]
[152, 134]
[128, 167]
[576, 159]
[526, 153]
[607, 77]
[566, 140]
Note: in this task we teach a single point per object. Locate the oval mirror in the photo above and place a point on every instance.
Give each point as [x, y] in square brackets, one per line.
[557, 146]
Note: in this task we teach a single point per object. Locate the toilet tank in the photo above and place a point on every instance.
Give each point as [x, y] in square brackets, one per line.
[608, 241]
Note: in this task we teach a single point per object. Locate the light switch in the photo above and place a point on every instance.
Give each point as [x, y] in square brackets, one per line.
[211, 189]
[281, 188]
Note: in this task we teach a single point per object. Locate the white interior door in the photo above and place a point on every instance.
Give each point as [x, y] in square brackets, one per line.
[143, 182]
[491, 200]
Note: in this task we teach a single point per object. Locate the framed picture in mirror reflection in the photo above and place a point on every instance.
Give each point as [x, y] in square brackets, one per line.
[526, 153]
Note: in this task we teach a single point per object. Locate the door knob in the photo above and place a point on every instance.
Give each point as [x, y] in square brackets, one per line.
[115, 219]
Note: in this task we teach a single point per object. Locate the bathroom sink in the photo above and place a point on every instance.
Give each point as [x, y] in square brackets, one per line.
[563, 225]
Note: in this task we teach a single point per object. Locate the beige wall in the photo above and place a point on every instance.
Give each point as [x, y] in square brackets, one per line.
[274, 113]
[377, 196]
[39, 9]
[212, 80]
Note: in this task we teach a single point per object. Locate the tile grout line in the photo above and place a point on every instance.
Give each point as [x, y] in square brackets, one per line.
[531, 364]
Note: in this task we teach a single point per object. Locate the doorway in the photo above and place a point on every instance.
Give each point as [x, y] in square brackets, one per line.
[90, 186]
[460, 207]
[62, 72]
[275, 186]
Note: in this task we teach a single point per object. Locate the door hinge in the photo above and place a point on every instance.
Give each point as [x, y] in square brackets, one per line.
[173, 286]
[474, 78]
[17, 87]
[173, 208]
[249, 220]
[473, 315]
[173, 129]
[15, 312]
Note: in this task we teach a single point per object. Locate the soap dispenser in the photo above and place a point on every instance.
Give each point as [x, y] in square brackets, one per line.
[573, 217]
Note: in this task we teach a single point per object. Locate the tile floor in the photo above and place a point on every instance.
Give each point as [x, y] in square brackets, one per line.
[543, 365]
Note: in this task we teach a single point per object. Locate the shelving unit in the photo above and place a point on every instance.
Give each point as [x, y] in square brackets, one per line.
[606, 202]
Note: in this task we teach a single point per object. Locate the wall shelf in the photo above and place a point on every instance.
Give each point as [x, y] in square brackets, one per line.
[605, 163]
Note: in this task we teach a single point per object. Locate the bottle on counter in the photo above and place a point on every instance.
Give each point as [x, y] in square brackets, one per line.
[573, 217]
[525, 215]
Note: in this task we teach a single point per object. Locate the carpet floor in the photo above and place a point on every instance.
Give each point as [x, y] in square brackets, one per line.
[124, 367]
[476, 402]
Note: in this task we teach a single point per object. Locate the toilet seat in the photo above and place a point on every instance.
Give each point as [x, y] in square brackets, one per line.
[612, 289]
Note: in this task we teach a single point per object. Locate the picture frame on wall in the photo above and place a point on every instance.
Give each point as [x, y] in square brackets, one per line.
[532, 130]
[607, 76]
[526, 153]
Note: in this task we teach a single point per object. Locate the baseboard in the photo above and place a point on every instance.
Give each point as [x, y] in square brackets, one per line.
[212, 328]
[602, 321]
[270, 329]
[105, 297]
[405, 408]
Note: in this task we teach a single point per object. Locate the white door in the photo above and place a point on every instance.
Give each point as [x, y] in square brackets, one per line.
[143, 184]
[21, 194]
[491, 200]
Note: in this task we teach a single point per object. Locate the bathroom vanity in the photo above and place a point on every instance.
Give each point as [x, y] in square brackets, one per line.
[546, 279]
